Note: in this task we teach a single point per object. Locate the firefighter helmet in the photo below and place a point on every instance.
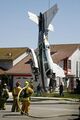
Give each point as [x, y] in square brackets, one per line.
[26, 83]
[17, 83]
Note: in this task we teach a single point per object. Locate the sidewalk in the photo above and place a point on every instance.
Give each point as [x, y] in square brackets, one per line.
[48, 100]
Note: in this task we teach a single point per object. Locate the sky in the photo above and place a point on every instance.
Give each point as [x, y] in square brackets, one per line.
[16, 30]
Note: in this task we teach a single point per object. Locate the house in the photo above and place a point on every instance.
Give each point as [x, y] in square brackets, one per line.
[13, 67]
[68, 57]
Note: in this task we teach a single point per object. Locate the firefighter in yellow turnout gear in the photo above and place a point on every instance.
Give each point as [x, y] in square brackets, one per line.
[26, 99]
[16, 90]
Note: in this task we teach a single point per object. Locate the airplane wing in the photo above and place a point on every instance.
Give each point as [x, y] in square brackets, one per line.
[34, 58]
[53, 66]
[58, 70]
[49, 14]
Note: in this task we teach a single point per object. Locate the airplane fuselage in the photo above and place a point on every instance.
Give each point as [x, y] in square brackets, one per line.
[42, 59]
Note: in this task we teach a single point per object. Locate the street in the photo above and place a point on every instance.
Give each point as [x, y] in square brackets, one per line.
[39, 111]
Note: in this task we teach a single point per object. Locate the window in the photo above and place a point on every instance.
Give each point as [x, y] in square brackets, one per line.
[69, 64]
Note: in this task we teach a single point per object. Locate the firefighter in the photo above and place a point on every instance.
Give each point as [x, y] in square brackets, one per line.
[26, 99]
[4, 96]
[15, 91]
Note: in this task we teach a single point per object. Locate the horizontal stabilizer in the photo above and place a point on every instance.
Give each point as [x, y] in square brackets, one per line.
[33, 17]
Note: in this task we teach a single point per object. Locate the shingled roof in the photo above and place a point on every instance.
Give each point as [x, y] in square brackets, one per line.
[21, 67]
[62, 51]
[11, 53]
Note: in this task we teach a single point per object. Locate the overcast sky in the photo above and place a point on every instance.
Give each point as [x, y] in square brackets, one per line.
[16, 30]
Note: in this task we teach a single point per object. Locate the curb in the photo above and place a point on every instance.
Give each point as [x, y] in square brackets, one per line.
[44, 100]
[54, 98]
[48, 100]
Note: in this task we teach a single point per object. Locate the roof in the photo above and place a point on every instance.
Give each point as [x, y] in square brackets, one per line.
[11, 53]
[62, 51]
[2, 72]
[20, 68]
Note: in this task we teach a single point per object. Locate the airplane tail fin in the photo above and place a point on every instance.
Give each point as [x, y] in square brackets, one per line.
[48, 16]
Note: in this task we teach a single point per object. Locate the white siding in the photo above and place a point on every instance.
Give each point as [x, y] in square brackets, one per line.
[75, 60]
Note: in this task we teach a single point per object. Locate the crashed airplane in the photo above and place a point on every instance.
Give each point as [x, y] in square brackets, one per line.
[43, 60]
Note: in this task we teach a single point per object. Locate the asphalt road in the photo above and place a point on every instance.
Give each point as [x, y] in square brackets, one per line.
[40, 111]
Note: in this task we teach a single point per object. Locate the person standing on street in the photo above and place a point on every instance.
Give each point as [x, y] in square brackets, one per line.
[4, 95]
[61, 88]
[15, 91]
[39, 90]
[27, 92]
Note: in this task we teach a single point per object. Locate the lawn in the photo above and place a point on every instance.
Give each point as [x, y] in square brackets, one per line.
[54, 94]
